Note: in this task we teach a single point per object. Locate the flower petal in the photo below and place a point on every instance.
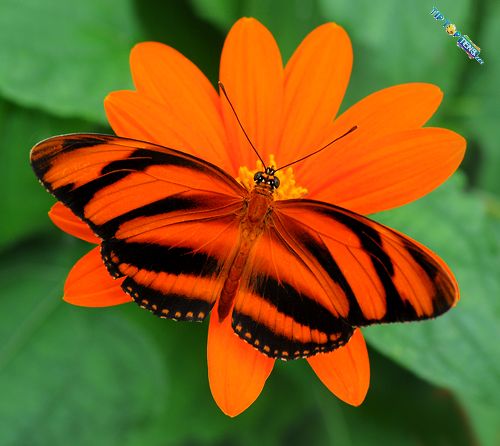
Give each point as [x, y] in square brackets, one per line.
[316, 78]
[68, 222]
[345, 371]
[252, 73]
[388, 172]
[90, 285]
[135, 115]
[236, 371]
[184, 98]
[401, 107]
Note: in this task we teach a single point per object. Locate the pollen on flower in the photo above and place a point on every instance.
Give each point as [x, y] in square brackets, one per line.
[288, 187]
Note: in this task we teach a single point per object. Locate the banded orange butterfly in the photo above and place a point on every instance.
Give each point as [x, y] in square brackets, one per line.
[295, 276]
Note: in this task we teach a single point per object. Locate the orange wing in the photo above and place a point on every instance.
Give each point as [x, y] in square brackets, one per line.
[281, 308]
[168, 221]
[373, 273]
[319, 270]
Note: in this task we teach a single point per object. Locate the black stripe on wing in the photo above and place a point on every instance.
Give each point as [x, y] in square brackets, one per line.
[300, 307]
[443, 288]
[163, 206]
[76, 198]
[168, 305]
[121, 257]
[287, 301]
[157, 258]
[318, 249]
[142, 156]
[45, 151]
[398, 308]
[281, 347]
[375, 245]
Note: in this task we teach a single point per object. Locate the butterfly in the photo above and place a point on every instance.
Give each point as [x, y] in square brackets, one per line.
[295, 276]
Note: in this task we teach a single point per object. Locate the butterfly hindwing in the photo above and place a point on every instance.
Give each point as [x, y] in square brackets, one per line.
[374, 273]
[175, 269]
[168, 221]
[281, 308]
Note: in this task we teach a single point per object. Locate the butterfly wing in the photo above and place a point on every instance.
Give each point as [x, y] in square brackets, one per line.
[319, 270]
[374, 274]
[168, 221]
[281, 308]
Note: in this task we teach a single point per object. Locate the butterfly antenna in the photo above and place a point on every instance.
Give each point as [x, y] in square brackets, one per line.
[319, 150]
[221, 85]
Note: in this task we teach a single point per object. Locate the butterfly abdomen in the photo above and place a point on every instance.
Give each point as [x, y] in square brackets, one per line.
[251, 228]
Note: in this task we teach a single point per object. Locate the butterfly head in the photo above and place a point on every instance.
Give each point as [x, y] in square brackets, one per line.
[267, 177]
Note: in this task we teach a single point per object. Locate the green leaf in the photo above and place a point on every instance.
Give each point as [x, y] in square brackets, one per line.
[400, 409]
[221, 13]
[485, 421]
[478, 108]
[460, 350]
[69, 374]
[295, 408]
[65, 57]
[289, 21]
[401, 42]
[25, 203]
[194, 37]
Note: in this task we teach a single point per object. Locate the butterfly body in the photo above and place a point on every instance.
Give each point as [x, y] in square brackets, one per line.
[256, 209]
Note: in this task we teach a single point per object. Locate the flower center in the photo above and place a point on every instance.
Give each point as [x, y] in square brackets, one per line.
[288, 188]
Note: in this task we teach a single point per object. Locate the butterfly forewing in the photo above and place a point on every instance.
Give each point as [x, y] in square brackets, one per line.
[168, 221]
[374, 273]
[101, 177]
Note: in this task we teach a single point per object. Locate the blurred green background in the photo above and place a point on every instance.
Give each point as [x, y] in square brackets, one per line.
[114, 376]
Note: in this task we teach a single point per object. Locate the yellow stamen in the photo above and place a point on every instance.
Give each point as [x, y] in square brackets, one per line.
[288, 188]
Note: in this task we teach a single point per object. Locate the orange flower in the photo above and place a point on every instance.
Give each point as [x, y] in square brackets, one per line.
[288, 112]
